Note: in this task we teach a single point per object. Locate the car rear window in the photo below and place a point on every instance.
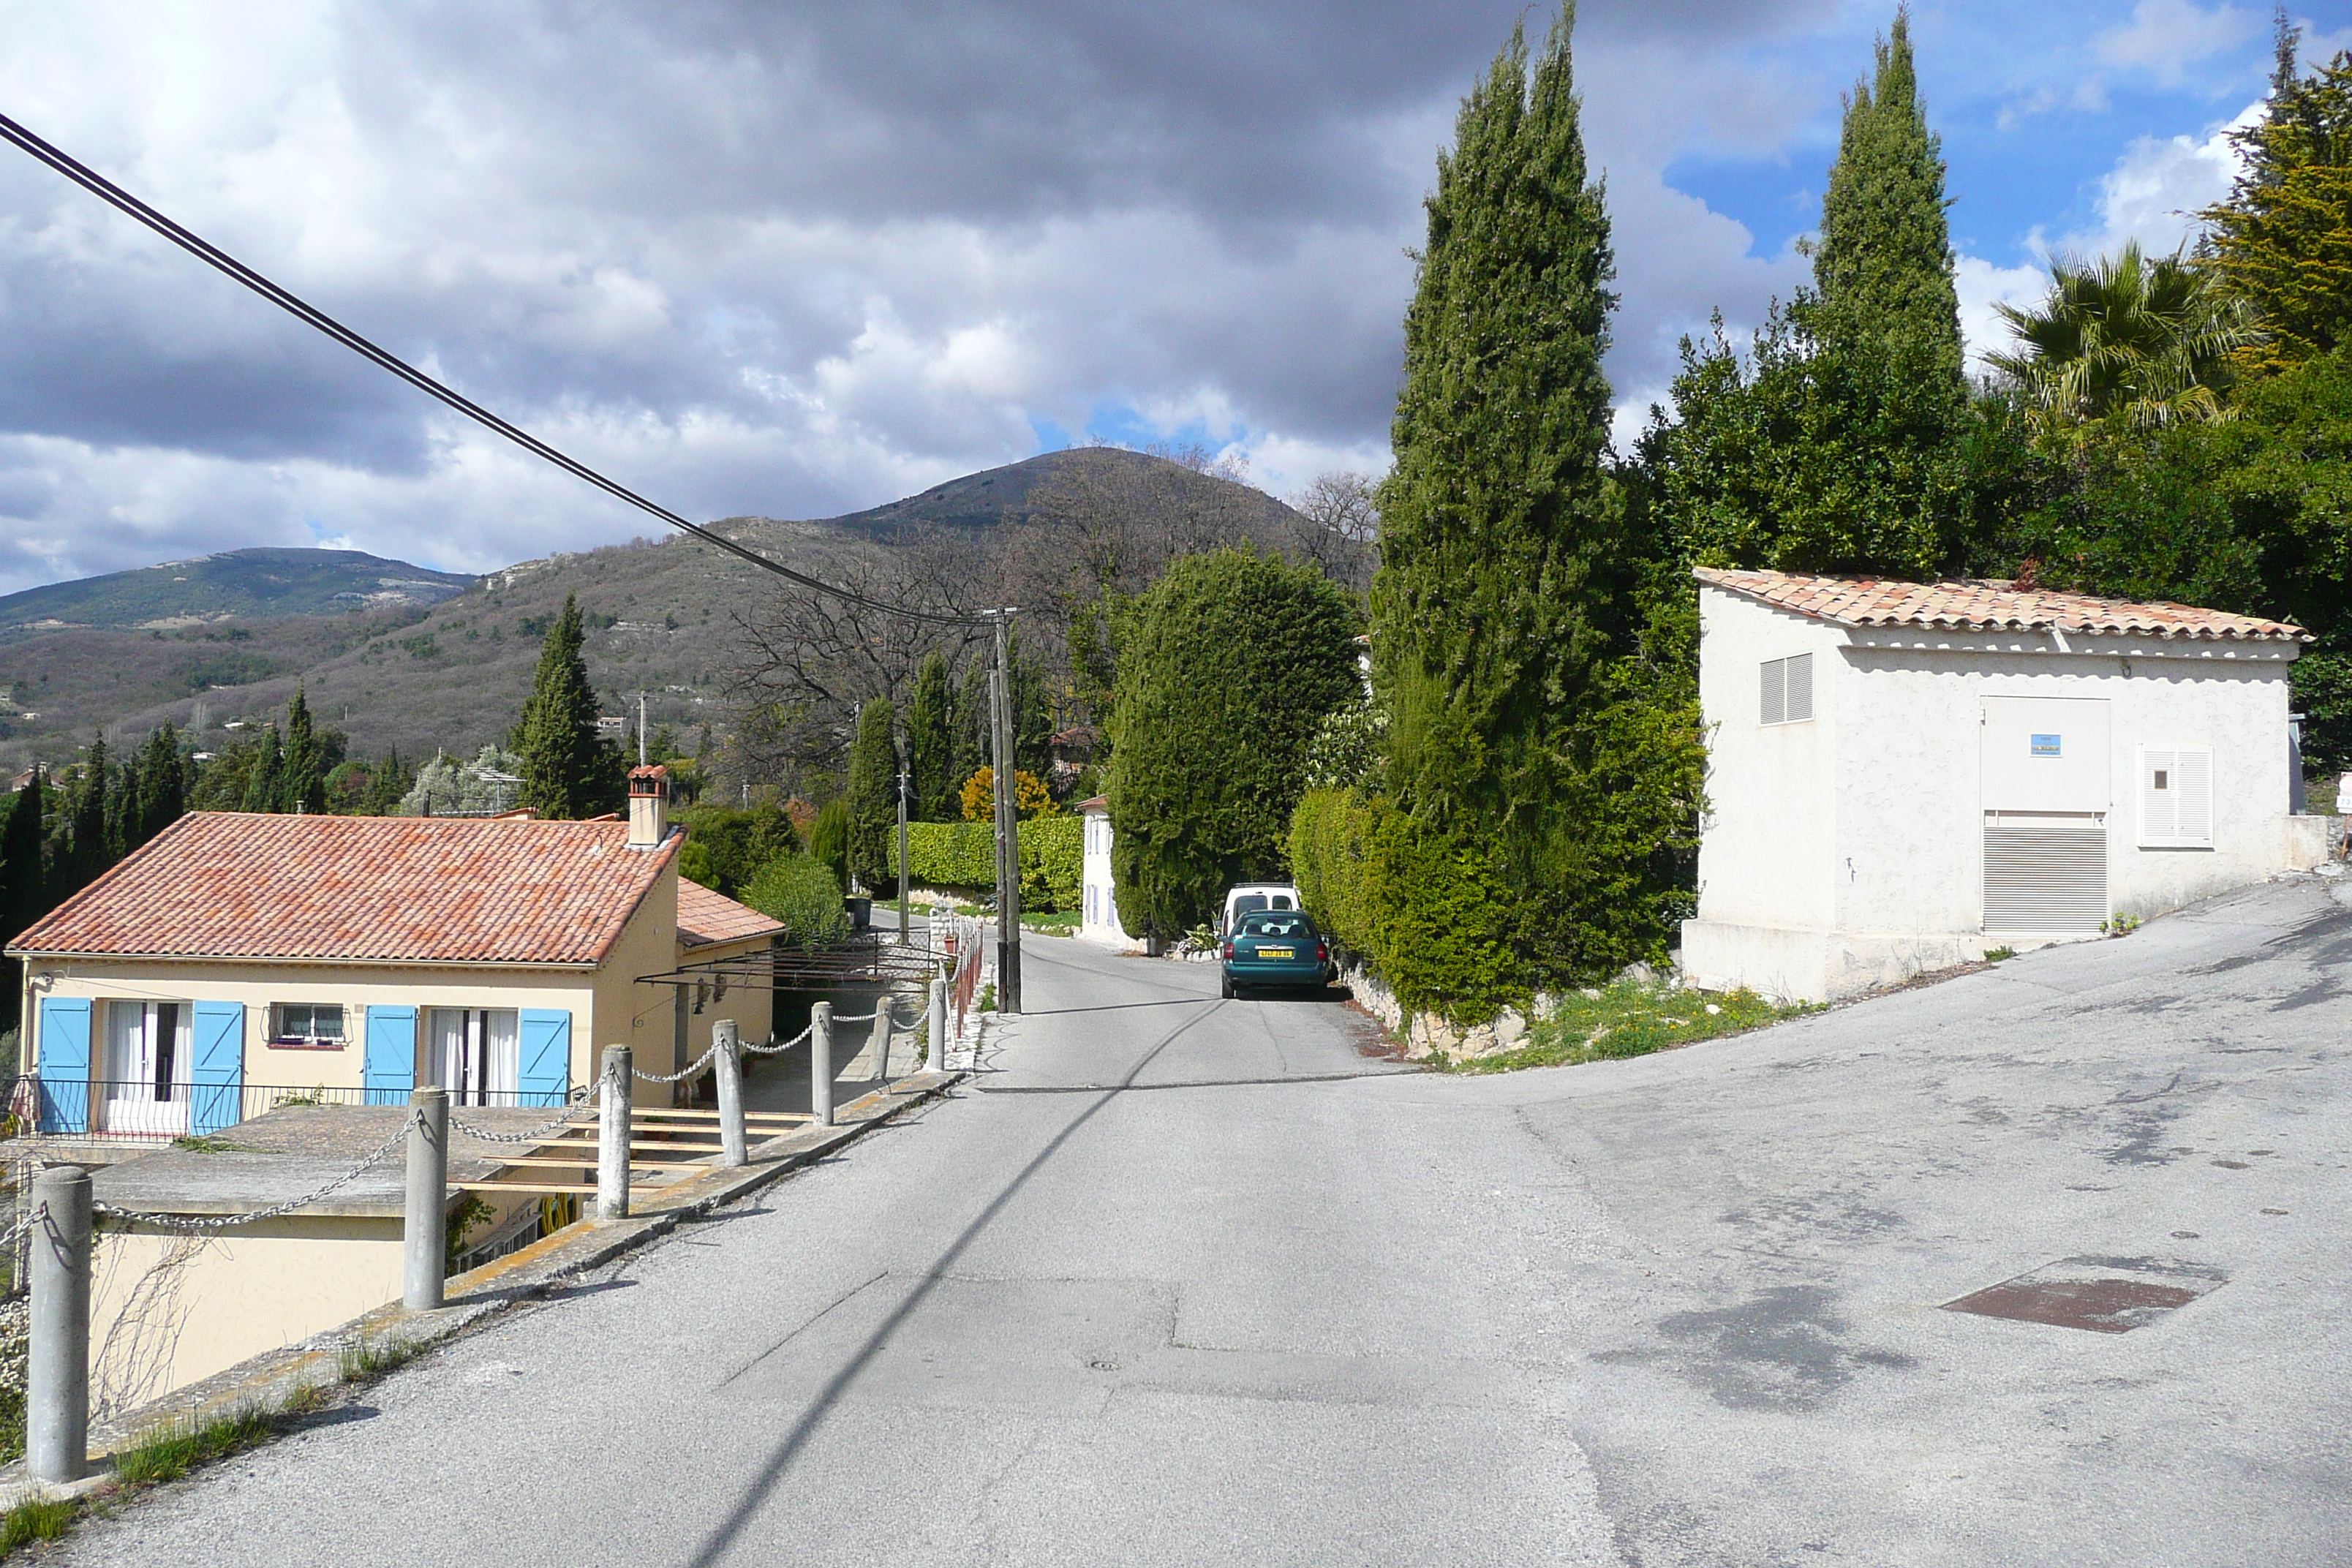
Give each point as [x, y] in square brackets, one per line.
[1247, 903]
[1269, 924]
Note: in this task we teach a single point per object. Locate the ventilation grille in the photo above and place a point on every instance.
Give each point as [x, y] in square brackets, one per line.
[1787, 689]
[2044, 878]
[2176, 797]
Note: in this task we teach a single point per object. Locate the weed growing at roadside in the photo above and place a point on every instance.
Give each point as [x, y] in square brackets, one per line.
[1631, 1019]
[1995, 954]
[369, 1356]
[988, 998]
[166, 1451]
[34, 1519]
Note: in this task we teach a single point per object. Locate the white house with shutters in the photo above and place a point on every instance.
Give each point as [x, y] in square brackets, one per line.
[1099, 897]
[1904, 775]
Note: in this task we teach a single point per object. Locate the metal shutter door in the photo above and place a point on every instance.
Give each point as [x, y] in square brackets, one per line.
[2044, 878]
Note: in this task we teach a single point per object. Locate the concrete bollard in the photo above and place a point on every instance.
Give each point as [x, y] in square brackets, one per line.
[612, 1134]
[56, 1363]
[734, 1145]
[882, 1022]
[424, 1233]
[821, 1063]
[939, 1024]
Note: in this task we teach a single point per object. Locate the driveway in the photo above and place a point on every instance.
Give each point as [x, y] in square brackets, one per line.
[1188, 1282]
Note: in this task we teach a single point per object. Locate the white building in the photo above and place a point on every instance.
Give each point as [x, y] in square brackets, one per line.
[1902, 775]
[1098, 910]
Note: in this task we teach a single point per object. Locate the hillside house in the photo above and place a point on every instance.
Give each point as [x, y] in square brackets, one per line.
[240, 962]
[1902, 775]
[1098, 902]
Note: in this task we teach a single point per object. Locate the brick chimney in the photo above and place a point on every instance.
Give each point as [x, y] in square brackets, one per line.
[649, 805]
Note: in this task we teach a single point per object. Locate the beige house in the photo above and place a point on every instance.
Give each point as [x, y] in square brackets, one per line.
[241, 962]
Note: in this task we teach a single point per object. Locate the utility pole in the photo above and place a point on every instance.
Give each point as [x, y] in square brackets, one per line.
[902, 841]
[1008, 839]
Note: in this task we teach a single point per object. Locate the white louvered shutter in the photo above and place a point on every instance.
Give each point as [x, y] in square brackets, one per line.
[1798, 682]
[2045, 876]
[2176, 797]
[1773, 706]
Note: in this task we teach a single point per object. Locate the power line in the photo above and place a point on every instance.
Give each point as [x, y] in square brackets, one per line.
[204, 250]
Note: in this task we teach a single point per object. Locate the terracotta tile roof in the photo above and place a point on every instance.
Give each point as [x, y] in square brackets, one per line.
[705, 917]
[1987, 605]
[361, 888]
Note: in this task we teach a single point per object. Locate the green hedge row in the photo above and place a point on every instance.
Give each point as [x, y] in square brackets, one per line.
[1430, 913]
[964, 855]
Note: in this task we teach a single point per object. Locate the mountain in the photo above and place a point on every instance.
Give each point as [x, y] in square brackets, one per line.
[453, 671]
[247, 584]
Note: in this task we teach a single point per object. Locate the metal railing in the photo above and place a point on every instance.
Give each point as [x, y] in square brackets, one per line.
[109, 1107]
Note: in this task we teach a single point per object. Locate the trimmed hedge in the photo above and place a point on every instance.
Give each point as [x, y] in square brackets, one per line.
[964, 855]
[1429, 912]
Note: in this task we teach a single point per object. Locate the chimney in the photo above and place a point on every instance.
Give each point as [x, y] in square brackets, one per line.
[649, 806]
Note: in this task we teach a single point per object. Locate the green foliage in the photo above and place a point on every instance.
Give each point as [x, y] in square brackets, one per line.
[873, 797]
[931, 742]
[36, 1518]
[1347, 747]
[1232, 662]
[1631, 1019]
[1429, 910]
[2323, 694]
[471, 1211]
[962, 854]
[2283, 239]
[970, 750]
[2151, 342]
[567, 771]
[169, 1449]
[24, 887]
[726, 848]
[828, 839]
[445, 787]
[1499, 539]
[804, 893]
[301, 780]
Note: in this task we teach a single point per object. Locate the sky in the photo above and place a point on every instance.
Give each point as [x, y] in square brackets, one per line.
[796, 260]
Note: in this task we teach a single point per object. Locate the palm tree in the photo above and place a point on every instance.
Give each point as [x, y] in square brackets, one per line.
[2150, 340]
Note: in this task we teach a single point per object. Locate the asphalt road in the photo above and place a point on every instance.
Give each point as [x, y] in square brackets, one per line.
[1190, 1281]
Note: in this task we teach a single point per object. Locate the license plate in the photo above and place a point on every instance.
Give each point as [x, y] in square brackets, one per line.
[1276, 952]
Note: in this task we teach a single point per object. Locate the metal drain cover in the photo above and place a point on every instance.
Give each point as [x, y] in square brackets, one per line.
[2106, 1295]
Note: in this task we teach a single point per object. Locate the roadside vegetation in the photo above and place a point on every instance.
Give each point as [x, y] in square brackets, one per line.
[1630, 1018]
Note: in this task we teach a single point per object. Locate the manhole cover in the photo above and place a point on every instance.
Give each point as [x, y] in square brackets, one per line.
[2107, 1295]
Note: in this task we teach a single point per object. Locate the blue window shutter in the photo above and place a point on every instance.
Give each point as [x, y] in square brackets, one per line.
[544, 1075]
[65, 1063]
[390, 1069]
[216, 1072]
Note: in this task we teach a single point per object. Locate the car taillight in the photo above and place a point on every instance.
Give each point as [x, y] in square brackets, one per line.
[1322, 953]
[1229, 950]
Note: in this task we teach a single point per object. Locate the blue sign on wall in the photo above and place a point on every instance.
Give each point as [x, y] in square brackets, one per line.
[2045, 745]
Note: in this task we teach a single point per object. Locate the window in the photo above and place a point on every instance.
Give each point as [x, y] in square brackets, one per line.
[475, 1054]
[309, 1023]
[2176, 797]
[1786, 690]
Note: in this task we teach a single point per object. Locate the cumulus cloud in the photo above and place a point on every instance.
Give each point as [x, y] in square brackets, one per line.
[2158, 186]
[2166, 38]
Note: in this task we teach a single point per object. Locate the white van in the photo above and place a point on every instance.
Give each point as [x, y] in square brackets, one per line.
[1250, 897]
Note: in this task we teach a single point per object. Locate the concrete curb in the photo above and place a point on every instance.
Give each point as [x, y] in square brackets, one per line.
[270, 1379]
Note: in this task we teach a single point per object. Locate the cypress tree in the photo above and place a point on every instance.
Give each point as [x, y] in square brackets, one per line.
[563, 764]
[88, 851]
[971, 750]
[1495, 598]
[874, 792]
[24, 887]
[931, 742]
[302, 781]
[265, 783]
[161, 796]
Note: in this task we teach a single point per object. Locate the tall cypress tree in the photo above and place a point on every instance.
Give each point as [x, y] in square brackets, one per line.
[24, 887]
[88, 852]
[971, 747]
[161, 796]
[302, 781]
[1495, 597]
[563, 764]
[931, 740]
[873, 793]
[265, 783]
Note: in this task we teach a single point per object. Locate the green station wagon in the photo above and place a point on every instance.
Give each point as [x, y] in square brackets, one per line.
[1275, 947]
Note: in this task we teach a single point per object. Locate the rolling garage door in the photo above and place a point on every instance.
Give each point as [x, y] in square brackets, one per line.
[2045, 875]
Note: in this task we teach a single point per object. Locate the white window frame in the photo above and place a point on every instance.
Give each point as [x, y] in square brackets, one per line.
[1775, 691]
[279, 1031]
[2188, 773]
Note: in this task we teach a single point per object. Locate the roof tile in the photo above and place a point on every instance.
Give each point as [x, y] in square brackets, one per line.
[1991, 604]
[705, 917]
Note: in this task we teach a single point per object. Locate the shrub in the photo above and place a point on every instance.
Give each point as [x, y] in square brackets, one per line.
[725, 847]
[1427, 910]
[1030, 796]
[1228, 667]
[803, 893]
[964, 855]
[828, 840]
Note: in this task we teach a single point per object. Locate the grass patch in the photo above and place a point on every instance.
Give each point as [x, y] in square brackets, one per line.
[207, 1145]
[370, 1357]
[1995, 954]
[1063, 924]
[1631, 1019]
[36, 1519]
[169, 1449]
[988, 998]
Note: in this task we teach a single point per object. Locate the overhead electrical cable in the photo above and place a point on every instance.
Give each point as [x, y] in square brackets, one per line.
[204, 250]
